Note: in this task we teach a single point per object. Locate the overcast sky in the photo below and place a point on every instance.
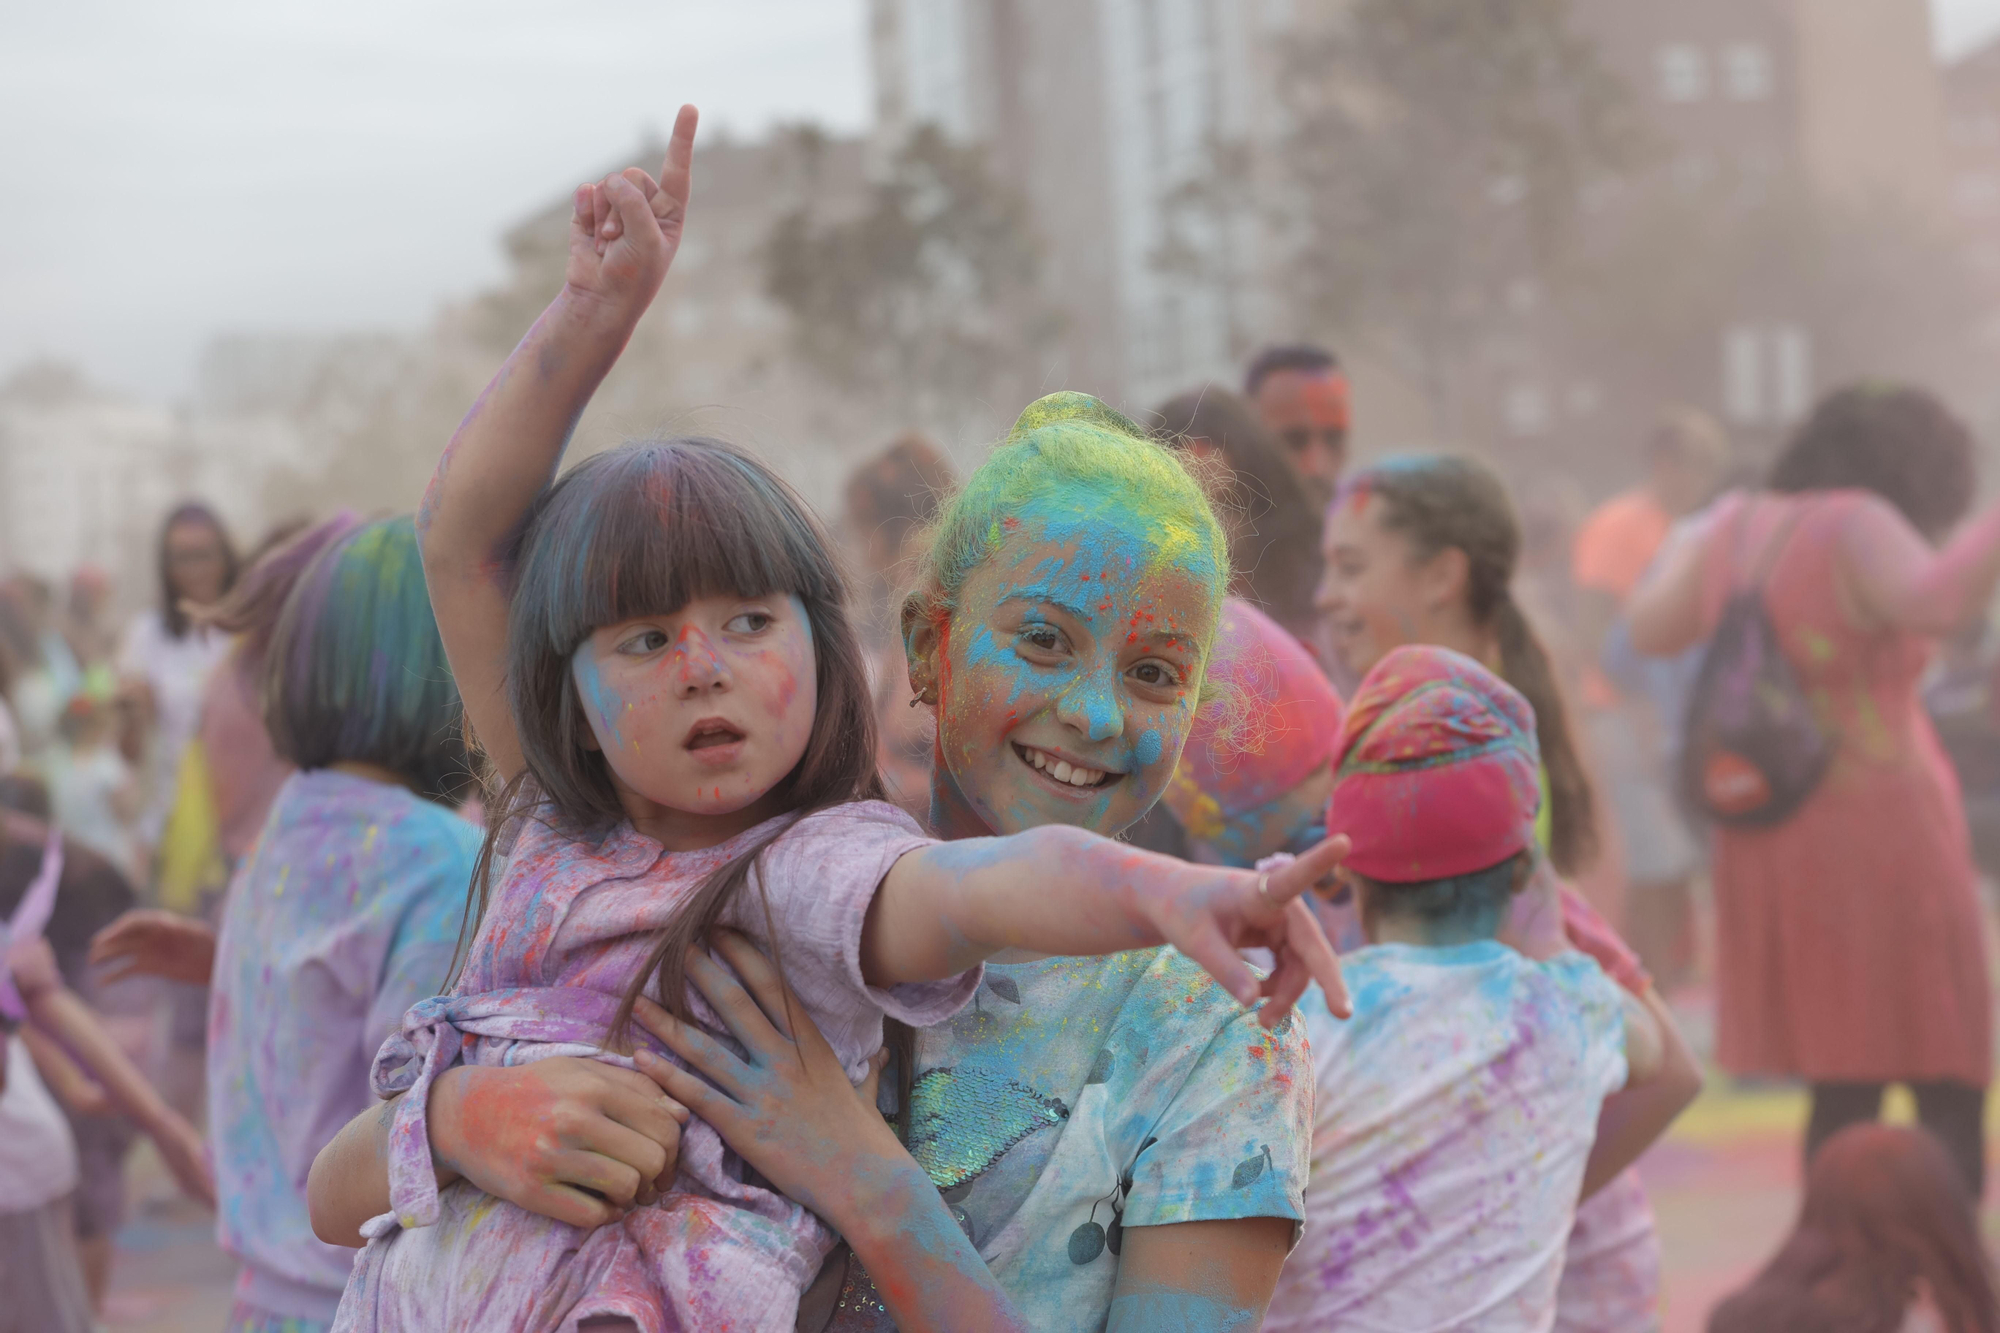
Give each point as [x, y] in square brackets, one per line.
[173, 170]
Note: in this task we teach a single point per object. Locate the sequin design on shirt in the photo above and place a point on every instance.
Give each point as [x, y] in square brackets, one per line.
[962, 1121]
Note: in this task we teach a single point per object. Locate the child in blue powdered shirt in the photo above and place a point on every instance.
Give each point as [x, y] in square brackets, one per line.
[1458, 1108]
[345, 914]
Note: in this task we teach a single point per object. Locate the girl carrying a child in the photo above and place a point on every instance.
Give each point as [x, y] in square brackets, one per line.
[656, 656]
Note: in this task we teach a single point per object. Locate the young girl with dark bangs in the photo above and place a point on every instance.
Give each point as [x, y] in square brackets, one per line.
[657, 658]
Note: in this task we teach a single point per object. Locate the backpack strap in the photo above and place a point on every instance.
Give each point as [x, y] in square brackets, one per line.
[1767, 559]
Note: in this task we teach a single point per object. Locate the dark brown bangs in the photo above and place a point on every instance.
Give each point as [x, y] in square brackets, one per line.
[645, 529]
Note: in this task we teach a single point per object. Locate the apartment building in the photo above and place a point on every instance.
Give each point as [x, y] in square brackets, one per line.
[1103, 112]
[1839, 98]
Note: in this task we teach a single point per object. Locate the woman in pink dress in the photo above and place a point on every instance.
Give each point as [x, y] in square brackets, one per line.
[1850, 942]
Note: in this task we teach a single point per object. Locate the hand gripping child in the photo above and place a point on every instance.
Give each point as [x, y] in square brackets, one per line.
[655, 652]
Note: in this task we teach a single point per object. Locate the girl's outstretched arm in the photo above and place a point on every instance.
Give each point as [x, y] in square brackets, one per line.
[1057, 890]
[787, 1109]
[622, 240]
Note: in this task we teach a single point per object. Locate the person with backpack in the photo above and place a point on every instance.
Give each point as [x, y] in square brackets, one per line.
[1850, 945]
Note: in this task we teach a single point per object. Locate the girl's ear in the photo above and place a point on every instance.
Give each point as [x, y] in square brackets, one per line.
[1445, 578]
[921, 645]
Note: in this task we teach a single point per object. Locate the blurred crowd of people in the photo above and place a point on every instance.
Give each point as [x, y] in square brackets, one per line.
[1873, 884]
[1846, 940]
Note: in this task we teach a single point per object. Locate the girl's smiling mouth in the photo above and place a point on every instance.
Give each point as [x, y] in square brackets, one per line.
[1062, 771]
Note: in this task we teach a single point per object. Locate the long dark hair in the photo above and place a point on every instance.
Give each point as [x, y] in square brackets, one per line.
[1274, 542]
[1884, 1213]
[1442, 502]
[641, 531]
[192, 511]
[1899, 442]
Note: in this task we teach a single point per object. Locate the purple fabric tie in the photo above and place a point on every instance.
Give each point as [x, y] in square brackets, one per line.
[30, 915]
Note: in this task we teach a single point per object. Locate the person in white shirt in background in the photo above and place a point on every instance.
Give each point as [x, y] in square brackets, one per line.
[93, 793]
[1457, 1118]
[166, 656]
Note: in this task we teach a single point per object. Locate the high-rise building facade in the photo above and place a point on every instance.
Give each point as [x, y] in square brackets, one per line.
[1109, 115]
[1148, 138]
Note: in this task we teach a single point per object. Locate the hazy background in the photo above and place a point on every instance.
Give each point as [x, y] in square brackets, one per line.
[145, 210]
[388, 144]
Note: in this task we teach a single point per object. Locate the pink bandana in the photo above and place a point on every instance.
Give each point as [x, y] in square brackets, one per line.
[1276, 721]
[1438, 774]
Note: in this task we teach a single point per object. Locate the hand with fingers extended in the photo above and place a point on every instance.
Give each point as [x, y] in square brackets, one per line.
[576, 1140]
[1211, 914]
[626, 228]
[148, 942]
[786, 1106]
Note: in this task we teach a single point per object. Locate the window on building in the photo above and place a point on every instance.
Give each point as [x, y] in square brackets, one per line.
[1746, 70]
[1766, 373]
[1683, 73]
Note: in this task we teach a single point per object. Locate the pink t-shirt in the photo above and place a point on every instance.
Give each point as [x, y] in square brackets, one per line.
[567, 929]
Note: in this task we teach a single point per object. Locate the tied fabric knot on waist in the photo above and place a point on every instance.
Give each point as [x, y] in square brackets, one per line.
[493, 1029]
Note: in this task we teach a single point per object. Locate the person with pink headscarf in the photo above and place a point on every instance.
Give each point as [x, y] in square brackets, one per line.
[1255, 775]
[1456, 1125]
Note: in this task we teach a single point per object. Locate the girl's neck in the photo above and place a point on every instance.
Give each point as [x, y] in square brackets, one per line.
[1455, 629]
[693, 830]
[1427, 934]
[952, 816]
[367, 772]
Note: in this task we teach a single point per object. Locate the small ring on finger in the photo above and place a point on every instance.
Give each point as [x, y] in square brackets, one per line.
[1264, 888]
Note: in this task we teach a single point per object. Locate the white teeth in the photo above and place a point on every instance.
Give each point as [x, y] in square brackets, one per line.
[1062, 770]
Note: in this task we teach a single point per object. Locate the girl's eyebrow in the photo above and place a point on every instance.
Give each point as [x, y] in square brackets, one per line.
[1043, 597]
[1176, 637]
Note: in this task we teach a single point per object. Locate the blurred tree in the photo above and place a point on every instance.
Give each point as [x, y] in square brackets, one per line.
[1441, 152]
[927, 297]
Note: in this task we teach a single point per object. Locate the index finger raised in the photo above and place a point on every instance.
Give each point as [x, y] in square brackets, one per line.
[677, 170]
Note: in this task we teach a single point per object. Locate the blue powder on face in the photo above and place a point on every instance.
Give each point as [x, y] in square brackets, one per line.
[1150, 747]
[603, 702]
